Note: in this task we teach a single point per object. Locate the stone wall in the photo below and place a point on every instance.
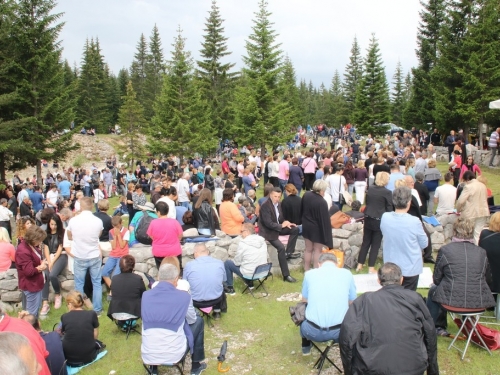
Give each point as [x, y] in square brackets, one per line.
[347, 239]
[481, 157]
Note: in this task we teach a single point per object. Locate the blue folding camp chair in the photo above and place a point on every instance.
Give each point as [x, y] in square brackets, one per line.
[260, 275]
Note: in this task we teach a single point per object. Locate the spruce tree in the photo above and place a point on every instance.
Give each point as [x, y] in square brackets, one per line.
[352, 77]
[216, 79]
[445, 76]
[372, 104]
[123, 80]
[93, 110]
[138, 69]
[419, 110]
[181, 124]
[133, 124]
[338, 106]
[478, 65]
[258, 107]
[154, 69]
[304, 97]
[290, 92]
[397, 102]
[43, 105]
[322, 105]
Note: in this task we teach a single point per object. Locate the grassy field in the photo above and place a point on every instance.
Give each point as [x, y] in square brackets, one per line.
[261, 337]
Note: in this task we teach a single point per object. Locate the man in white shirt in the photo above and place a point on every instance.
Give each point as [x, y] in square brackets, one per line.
[22, 194]
[183, 190]
[84, 230]
[420, 163]
[445, 196]
[493, 145]
[52, 196]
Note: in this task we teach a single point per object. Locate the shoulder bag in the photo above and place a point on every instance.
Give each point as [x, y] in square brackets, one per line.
[298, 313]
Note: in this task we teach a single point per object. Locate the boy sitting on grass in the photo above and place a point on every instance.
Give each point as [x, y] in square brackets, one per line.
[118, 237]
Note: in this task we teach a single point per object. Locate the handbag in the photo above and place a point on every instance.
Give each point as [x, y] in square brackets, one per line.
[490, 336]
[338, 219]
[298, 313]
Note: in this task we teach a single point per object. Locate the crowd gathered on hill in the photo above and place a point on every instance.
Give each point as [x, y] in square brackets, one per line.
[64, 223]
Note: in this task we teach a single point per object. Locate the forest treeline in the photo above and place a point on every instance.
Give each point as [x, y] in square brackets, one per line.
[184, 106]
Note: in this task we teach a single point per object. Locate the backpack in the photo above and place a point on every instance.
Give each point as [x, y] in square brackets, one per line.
[141, 232]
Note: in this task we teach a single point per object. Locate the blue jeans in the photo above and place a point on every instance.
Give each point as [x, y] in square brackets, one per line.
[338, 205]
[230, 269]
[86, 191]
[94, 266]
[282, 185]
[111, 267]
[308, 332]
[33, 302]
[197, 328]
[185, 204]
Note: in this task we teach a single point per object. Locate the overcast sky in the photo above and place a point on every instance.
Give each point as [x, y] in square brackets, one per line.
[316, 34]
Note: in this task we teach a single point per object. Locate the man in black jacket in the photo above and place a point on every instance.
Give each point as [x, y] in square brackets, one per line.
[369, 341]
[272, 224]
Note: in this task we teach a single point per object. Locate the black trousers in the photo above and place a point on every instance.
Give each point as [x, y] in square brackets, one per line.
[274, 181]
[158, 261]
[290, 247]
[309, 180]
[372, 239]
[410, 282]
[428, 249]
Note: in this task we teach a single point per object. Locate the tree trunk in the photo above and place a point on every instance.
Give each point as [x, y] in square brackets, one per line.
[2, 167]
[39, 173]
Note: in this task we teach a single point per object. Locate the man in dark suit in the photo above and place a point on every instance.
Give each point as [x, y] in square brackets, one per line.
[450, 142]
[423, 192]
[272, 225]
[436, 138]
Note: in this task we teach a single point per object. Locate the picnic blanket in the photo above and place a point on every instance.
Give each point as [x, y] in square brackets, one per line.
[74, 370]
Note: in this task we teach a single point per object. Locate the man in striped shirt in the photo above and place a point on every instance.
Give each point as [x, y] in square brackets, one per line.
[493, 145]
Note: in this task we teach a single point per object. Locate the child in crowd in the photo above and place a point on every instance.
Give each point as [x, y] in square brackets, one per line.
[121, 209]
[118, 237]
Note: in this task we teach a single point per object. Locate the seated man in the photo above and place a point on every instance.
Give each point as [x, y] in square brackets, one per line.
[165, 334]
[323, 318]
[251, 253]
[17, 355]
[369, 341]
[272, 224]
[206, 276]
[127, 289]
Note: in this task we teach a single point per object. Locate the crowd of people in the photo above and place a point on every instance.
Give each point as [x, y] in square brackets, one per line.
[64, 223]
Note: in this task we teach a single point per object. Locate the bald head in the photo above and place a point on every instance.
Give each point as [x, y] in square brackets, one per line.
[409, 181]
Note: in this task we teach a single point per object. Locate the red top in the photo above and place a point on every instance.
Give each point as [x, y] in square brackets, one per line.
[30, 279]
[9, 324]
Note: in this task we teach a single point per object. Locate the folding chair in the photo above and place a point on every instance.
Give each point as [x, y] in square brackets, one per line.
[468, 317]
[126, 322]
[496, 312]
[324, 356]
[205, 313]
[260, 275]
[153, 369]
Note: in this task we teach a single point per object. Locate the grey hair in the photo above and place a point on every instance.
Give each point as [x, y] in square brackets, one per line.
[200, 248]
[401, 196]
[168, 272]
[327, 257]
[463, 228]
[319, 186]
[11, 344]
[251, 193]
[389, 274]
[249, 227]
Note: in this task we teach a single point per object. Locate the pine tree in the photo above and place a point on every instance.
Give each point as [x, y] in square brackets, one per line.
[259, 111]
[138, 69]
[43, 99]
[338, 106]
[181, 124]
[304, 97]
[397, 102]
[372, 104]
[132, 124]
[419, 110]
[155, 70]
[322, 105]
[215, 77]
[113, 95]
[93, 110]
[352, 77]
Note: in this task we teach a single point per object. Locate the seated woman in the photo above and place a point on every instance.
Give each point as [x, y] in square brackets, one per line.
[80, 329]
[488, 240]
[205, 217]
[230, 216]
[7, 251]
[459, 276]
[127, 289]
